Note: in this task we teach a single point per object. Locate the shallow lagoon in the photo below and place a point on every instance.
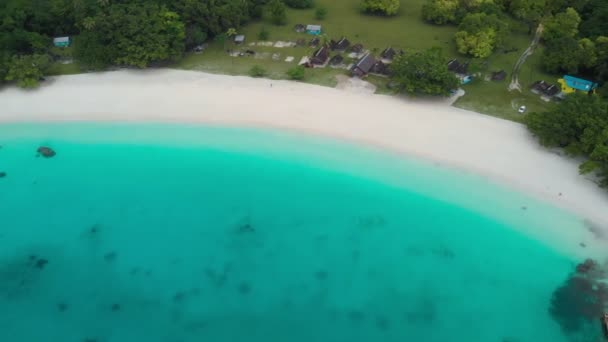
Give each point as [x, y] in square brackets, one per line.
[180, 233]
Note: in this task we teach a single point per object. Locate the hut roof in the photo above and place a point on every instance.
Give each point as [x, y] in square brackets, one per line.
[357, 48]
[579, 83]
[61, 40]
[366, 63]
[499, 75]
[388, 53]
[380, 68]
[337, 59]
[453, 65]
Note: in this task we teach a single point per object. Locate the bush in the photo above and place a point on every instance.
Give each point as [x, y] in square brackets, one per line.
[299, 3]
[296, 73]
[320, 13]
[264, 34]
[257, 71]
[278, 14]
[383, 7]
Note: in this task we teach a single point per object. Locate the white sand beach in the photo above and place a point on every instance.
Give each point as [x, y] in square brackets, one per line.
[501, 150]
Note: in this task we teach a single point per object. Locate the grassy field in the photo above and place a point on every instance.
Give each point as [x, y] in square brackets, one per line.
[493, 97]
[405, 31]
[58, 68]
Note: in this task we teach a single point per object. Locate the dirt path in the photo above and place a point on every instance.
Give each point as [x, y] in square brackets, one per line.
[522, 59]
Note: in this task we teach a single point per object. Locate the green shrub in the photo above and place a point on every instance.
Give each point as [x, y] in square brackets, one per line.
[264, 34]
[320, 13]
[278, 13]
[257, 71]
[382, 7]
[296, 73]
[299, 3]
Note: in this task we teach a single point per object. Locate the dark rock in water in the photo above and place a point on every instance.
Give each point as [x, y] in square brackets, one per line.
[46, 152]
[382, 323]
[115, 307]
[95, 229]
[244, 288]
[32, 257]
[246, 228]
[2, 174]
[321, 275]
[582, 244]
[586, 266]
[356, 316]
[179, 296]
[90, 340]
[109, 257]
[62, 307]
[40, 263]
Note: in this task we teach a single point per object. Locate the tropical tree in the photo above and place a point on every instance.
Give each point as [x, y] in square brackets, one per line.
[27, 70]
[278, 13]
[562, 25]
[480, 33]
[579, 124]
[562, 55]
[424, 72]
[440, 11]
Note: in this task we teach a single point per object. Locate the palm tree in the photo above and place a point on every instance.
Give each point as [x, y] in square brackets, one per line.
[88, 23]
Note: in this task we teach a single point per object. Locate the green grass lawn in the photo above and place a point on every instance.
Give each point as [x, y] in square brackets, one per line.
[64, 69]
[405, 31]
[493, 98]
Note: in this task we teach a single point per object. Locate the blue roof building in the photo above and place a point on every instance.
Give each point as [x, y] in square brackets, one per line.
[571, 84]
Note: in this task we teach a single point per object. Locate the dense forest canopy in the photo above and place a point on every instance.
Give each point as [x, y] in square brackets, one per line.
[110, 32]
[140, 33]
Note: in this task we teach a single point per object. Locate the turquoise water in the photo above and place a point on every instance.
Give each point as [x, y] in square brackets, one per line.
[176, 233]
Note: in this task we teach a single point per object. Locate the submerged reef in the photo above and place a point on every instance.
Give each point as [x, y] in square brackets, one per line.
[583, 297]
[46, 152]
[2, 174]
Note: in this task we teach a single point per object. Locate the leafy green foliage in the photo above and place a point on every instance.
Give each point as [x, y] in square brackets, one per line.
[257, 71]
[320, 13]
[264, 34]
[594, 18]
[562, 25]
[562, 55]
[440, 11]
[278, 12]
[383, 7]
[195, 36]
[296, 73]
[27, 70]
[480, 33]
[579, 124]
[138, 35]
[299, 3]
[424, 72]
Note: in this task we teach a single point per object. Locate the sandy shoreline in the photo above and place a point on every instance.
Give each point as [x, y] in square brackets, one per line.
[501, 150]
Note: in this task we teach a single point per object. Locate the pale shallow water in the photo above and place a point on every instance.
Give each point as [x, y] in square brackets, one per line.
[176, 233]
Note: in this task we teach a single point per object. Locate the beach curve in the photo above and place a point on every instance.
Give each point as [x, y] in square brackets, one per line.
[501, 150]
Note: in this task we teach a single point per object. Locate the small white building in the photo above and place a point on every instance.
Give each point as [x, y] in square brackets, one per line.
[239, 39]
[61, 41]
